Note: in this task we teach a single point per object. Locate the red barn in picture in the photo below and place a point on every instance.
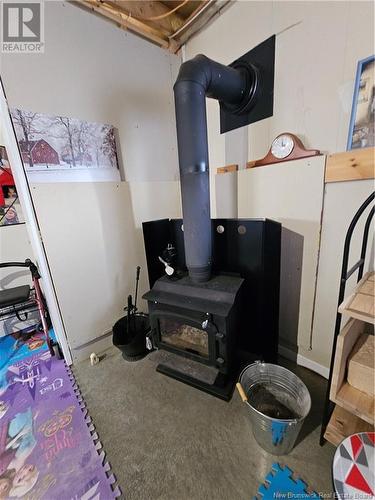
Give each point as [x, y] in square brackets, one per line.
[40, 151]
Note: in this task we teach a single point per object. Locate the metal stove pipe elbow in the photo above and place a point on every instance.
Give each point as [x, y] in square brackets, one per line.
[198, 78]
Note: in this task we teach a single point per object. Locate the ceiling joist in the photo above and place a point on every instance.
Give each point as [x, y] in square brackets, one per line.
[167, 23]
[154, 13]
[125, 21]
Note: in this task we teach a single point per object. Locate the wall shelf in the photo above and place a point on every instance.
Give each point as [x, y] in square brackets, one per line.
[360, 304]
[354, 165]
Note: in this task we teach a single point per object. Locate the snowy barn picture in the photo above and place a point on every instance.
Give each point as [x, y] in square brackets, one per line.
[57, 148]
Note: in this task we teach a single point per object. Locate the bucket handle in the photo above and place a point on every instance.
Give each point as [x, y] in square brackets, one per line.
[241, 391]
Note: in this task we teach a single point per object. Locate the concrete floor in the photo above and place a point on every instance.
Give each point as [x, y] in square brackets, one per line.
[168, 441]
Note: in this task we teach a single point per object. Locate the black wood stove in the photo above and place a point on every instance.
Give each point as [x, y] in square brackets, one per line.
[199, 322]
[218, 306]
[225, 322]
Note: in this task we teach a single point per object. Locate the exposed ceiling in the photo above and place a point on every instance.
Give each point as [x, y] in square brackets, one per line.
[168, 23]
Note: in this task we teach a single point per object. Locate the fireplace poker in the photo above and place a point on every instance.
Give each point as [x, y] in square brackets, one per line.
[136, 288]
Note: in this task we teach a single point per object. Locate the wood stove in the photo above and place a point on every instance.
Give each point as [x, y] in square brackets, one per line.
[225, 322]
[233, 266]
[199, 322]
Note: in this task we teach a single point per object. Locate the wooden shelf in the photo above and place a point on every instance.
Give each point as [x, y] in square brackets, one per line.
[227, 168]
[357, 402]
[353, 165]
[343, 424]
[360, 304]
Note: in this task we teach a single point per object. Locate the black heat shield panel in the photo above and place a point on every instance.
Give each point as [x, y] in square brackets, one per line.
[253, 254]
[262, 56]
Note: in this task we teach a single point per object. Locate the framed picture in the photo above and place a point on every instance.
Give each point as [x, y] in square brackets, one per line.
[64, 149]
[10, 208]
[361, 128]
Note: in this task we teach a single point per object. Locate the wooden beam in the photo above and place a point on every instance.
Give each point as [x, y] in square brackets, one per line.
[203, 5]
[145, 11]
[227, 168]
[201, 17]
[184, 9]
[151, 19]
[356, 164]
[126, 21]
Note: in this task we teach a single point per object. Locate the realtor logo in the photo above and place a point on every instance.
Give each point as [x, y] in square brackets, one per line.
[22, 27]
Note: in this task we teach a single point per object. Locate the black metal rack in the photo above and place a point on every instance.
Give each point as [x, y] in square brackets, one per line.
[345, 275]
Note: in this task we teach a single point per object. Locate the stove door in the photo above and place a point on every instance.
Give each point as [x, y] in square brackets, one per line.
[185, 336]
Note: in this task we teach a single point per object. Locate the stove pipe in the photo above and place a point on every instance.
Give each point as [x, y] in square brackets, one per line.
[235, 87]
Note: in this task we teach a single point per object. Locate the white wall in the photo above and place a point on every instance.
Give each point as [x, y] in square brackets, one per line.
[315, 67]
[316, 60]
[291, 193]
[91, 255]
[94, 71]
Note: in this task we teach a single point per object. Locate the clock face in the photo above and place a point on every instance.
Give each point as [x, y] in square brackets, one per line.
[282, 146]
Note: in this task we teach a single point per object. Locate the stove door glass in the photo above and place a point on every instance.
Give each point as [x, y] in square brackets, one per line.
[182, 336]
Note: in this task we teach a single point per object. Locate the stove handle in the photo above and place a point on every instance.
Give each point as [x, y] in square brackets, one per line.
[209, 323]
[206, 321]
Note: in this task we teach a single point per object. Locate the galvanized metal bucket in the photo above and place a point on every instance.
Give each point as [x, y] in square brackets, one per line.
[278, 402]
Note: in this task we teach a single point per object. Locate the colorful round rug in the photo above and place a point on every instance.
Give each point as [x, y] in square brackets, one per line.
[353, 467]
